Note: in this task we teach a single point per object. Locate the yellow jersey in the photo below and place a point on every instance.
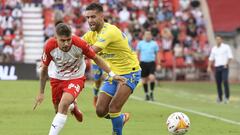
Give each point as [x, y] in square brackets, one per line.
[116, 49]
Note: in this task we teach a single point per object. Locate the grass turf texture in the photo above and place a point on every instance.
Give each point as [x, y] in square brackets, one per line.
[17, 118]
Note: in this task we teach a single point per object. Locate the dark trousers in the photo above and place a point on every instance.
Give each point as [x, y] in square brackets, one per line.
[221, 75]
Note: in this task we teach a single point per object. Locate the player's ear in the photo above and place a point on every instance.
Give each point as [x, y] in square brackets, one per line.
[101, 15]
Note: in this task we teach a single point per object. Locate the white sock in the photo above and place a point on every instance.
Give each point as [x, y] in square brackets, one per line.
[57, 124]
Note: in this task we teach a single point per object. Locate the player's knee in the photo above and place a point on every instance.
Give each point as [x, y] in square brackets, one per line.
[225, 81]
[144, 80]
[114, 108]
[151, 77]
[63, 106]
[100, 112]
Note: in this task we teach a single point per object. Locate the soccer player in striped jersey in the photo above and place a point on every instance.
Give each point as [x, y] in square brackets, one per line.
[67, 73]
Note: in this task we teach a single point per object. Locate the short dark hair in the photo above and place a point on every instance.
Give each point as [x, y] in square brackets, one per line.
[95, 6]
[63, 29]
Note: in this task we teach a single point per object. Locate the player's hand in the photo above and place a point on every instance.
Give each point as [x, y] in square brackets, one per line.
[120, 79]
[39, 100]
[158, 67]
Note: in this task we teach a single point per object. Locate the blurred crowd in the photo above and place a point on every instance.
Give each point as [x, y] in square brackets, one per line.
[11, 35]
[177, 25]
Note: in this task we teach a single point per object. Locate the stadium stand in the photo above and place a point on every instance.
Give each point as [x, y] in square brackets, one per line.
[33, 32]
[177, 25]
[222, 11]
[11, 43]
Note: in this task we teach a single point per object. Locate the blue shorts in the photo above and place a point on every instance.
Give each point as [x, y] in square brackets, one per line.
[110, 86]
[97, 72]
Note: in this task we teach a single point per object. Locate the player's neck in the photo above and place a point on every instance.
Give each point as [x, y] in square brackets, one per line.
[218, 45]
[100, 27]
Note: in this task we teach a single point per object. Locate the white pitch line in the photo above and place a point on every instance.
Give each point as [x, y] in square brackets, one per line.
[189, 110]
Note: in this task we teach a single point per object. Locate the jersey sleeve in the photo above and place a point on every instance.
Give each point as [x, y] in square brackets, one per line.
[211, 57]
[87, 49]
[229, 53]
[104, 39]
[46, 56]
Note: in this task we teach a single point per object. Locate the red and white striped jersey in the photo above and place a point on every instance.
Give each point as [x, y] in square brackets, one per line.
[66, 65]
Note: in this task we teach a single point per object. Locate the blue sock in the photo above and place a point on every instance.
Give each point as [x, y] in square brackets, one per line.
[117, 123]
[95, 91]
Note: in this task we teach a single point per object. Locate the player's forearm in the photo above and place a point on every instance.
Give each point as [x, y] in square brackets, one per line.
[96, 49]
[210, 64]
[228, 62]
[43, 79]
[158, 59]
[102, 64]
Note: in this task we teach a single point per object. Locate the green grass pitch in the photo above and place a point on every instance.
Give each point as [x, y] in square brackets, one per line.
[196, 99]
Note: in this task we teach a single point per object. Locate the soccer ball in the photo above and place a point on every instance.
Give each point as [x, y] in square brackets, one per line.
[178, 123]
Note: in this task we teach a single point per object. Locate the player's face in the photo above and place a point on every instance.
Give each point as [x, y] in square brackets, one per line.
[94, 19]
[148, 36]
[64, 43]
[218, 40]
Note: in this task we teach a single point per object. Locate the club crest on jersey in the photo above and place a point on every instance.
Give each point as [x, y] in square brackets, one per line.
[101, 40]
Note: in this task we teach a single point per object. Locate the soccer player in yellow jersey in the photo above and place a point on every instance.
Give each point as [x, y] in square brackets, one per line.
[110, 43]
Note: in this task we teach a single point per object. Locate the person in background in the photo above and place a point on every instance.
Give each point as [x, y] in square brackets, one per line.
[147, 50]
[221, 55]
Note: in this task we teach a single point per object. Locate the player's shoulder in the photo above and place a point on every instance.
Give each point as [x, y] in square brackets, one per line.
[110, 28]
[50, 44]
[155, 43]
[141, 41]
[77, 41]
[88, 33]
[76, 38]
[214, 47]
[225, 45]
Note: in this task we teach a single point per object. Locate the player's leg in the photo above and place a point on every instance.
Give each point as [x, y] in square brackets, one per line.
[61, 116]
[115, 107]
[96, 90]
[97, 76]
[107, 92]
[56, 107]
[119, 99]
[102, 106]
[145, 87]
[57, 92]
[75, 111]
[152, 79]
[226, 85]
[152, 86]
[74, 87]
[71, 90]
[144, 78]
[218, 77]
